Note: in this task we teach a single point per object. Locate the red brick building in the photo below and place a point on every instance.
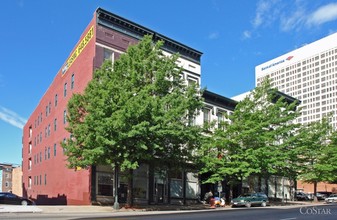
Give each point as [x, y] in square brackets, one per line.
[46, 178]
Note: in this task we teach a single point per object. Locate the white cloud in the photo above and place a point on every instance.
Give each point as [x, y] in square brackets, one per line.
[261, 9]
[12, 118]
[247, 34]
[266, 12]
[213, 35]
[323, 14]
[293, 21]
[291, 15]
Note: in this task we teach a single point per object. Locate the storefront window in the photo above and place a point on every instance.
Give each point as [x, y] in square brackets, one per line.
[105, 184]
[140, 182]
[176, 184]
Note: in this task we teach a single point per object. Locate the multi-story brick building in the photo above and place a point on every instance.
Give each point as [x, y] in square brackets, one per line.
[46, 178]
[17, 180]
[6, 177]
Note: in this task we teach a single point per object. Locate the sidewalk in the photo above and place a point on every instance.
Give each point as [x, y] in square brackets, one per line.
[95, 209]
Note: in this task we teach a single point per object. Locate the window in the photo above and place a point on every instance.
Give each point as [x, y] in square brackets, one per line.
[192, 81]
[45, 179]
[72, 81]
[29, 182]
[176, 184]
[105, 184]
[54, 150]
[49, 107]
[55, 124]
[46, 110]
[207, 115]
[30, 164]
[65, 90]
[55, 100]
[30, 148]
[108, 54]
[64, 141]
[64, 116]
[220, 116]
[48, 152]
[30, 131]
[48, 130]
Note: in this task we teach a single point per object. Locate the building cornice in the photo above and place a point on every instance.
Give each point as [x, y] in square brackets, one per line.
[122, 25]
[218, 100]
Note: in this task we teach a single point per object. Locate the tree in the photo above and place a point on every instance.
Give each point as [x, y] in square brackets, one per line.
[328, 165]
[314, 149]
[255, 141]
[136, 111]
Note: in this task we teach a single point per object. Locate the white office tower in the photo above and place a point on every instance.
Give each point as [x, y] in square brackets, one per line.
[308, 74]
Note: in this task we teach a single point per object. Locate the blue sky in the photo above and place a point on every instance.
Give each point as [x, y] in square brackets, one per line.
[37, 36]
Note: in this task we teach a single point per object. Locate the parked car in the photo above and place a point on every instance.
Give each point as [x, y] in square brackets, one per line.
[10, 198]
[301, 196]
[331, 198]
[319, 196]
[251, 199]
[325, 194]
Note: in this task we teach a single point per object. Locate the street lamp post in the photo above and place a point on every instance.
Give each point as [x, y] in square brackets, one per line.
[116, 204]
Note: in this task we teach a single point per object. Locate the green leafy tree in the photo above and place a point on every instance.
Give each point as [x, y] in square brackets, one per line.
[255, 141]
[136, 110]
[313, 149]
[328, 165]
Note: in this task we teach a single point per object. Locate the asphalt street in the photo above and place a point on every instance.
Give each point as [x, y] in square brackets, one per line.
[324, 212]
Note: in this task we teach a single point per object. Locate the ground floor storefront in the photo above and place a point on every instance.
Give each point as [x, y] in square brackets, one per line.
[150, 185]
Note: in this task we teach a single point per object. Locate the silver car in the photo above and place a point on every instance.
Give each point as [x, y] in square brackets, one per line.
[331, 198]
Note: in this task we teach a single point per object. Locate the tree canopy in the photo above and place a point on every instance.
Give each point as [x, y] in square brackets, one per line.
[255, 141]
[135, 110]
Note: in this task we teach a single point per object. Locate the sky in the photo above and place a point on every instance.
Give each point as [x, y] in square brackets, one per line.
[234, 36]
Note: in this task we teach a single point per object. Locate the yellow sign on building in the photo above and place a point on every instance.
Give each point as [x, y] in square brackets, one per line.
[78, 50]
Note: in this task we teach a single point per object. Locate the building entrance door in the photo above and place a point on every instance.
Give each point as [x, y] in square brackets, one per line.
[160, 193]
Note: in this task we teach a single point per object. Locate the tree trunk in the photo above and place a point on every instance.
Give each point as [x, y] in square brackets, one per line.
[151, 184]
[266, 185]
[168, 188]
[260, 183]
[275, 187]
[116, 172]
[315, 191]
[184, 187]
[129, 199]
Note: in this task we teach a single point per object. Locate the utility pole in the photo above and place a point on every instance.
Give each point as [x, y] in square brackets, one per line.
[116, 204]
